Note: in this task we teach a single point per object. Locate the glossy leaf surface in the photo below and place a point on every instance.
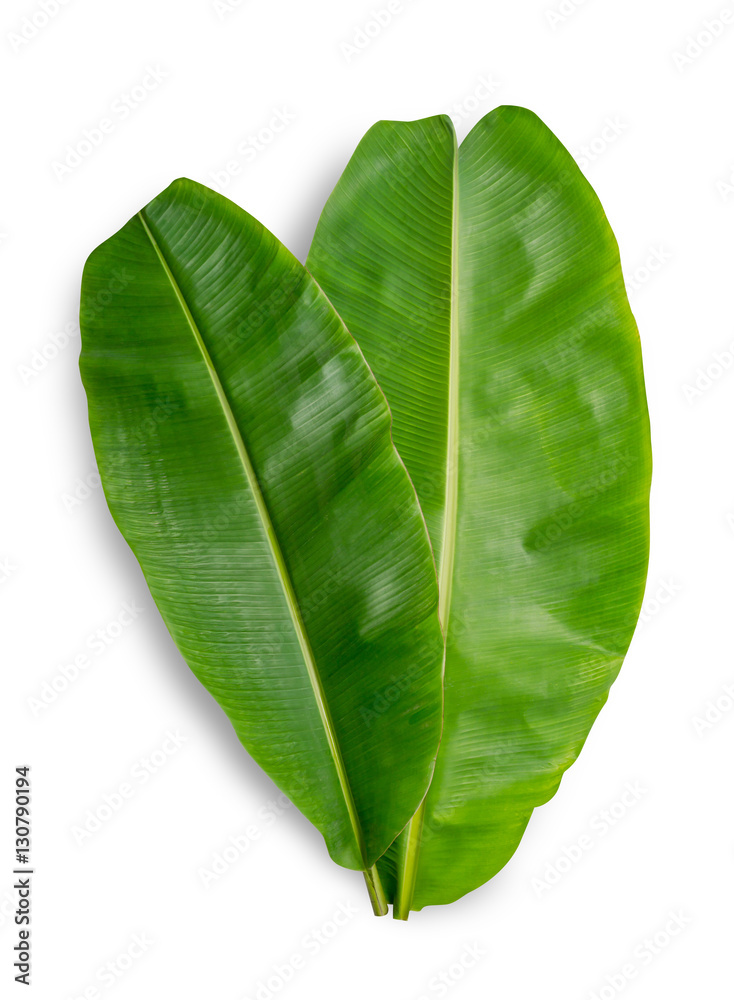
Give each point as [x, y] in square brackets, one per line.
[245, 453]
[484, 287]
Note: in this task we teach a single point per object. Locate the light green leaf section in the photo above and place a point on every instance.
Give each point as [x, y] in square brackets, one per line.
[246, 456]
[485, 290]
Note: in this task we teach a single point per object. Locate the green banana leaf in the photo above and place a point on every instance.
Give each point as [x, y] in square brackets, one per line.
[484, 288]
[246, 456]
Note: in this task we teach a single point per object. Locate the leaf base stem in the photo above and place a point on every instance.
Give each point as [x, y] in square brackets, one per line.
[376, 892]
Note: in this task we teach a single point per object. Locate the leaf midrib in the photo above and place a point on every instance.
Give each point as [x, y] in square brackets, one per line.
[448, 540]
[408, 874]
[276, 554]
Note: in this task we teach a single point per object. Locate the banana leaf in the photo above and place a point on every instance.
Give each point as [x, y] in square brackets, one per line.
[246, 455]
[484, 287]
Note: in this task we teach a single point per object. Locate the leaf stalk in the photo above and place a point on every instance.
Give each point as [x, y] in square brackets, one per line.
[376, 892]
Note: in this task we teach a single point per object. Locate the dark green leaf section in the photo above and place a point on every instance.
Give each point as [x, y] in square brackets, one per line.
[246, 456]
[532, 386]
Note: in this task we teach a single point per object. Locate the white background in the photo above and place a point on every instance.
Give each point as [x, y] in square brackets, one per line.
[663, 174]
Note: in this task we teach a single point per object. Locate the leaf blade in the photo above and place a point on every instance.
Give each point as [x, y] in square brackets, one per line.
[553, 465]
[301, 569]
